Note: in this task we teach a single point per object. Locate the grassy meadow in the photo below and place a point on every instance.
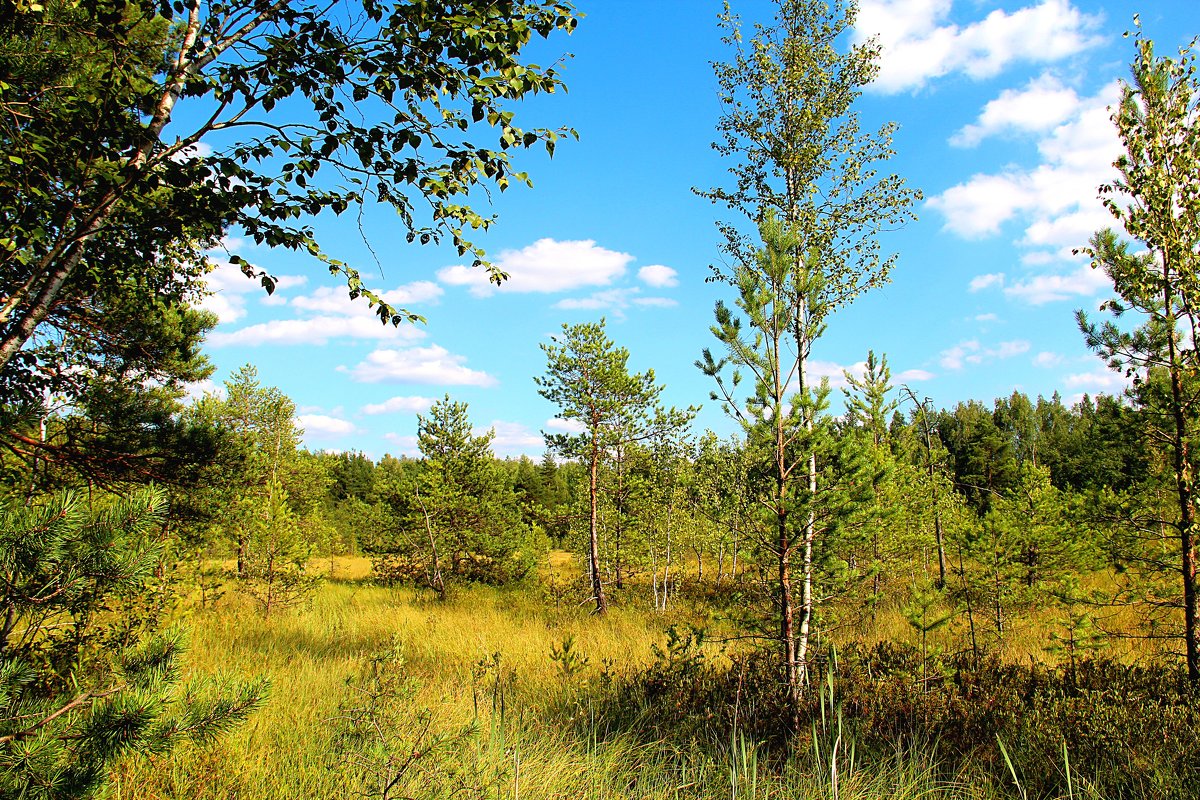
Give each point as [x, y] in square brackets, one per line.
[384, 692]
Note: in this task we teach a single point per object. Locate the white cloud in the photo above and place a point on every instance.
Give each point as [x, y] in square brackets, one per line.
[1047, 359]
[400, 405]
[1056, 201]
[1058, 197]
[431, 365]
[336, 300]
[1104, 380]
[336, 317]
[981, 282]
[1038, 258]
[655, 302]
[565, 425]
[913, 375]
[1040, 289]
[971, 351]
[920, 43]
[834, 372]
[197, 391]
[1038, 107]
[323, 426]
[980, 206]
[513, 438]
[1009, 349]
[316, 331]
[954, 357]
[989, 317]
[195, 150]
[406, 444]
[616, 300]
[544, 266]
[658, 275]
[228, 289]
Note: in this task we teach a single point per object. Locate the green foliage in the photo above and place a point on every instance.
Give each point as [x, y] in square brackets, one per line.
[788, 120]
[463, 522]
[1130, 731]
[78, 688]
[588, 379]
[384, 744]
[1157, 202]
[275, 564]
[104, 188]
[567, 657]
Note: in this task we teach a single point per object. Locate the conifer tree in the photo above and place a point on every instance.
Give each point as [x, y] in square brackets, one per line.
[588, 378]
[463, 522]
[807, 175]
[1156, 199]
[77, 692]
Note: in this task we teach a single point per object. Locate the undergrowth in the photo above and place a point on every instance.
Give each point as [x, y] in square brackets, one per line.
[383, 693]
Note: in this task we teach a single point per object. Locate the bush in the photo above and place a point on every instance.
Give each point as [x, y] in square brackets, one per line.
[1129, 731]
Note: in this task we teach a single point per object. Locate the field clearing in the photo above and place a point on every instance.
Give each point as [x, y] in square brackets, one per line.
[502, 716]
[490, 694]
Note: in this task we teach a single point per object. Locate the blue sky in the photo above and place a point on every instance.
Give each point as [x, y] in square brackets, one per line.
[1003, 117]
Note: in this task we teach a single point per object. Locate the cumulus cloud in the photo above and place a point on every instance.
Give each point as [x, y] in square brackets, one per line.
[565, 425]
[513, 438]
[615, 300]
[1058, 197]
[400, 405]
[955, 357]
[981, 282]
[323, 426]
[228, 290]
[544, 266]
[1047, 359]
[334, 316]
[315, 331]
[1037, 290]
[919, 41]
[972, 352]
[1038, 107]
[1040, 289]
[430, 365]
[197, 390]
[834, 372]
[1102, 380]
[405, 444]
[336, 300]
[658, 275]
[913, 375]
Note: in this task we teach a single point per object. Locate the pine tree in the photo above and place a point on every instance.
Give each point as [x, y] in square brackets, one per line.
[588, 378]
[806, 175]
[75, 692]
[1156, 199]
[463, 521]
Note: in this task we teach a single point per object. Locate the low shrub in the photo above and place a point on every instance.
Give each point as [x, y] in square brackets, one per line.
[1128, 731]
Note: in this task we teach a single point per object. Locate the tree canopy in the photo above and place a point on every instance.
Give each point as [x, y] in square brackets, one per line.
[135, 134]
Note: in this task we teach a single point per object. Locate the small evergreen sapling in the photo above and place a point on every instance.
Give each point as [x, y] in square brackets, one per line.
[77, 690]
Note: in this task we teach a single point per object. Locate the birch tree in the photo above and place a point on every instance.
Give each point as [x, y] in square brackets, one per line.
[134, 134]
[1156, 199]
[807, 175]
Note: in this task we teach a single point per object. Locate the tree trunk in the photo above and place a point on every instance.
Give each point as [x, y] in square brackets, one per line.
[787, 633]
[1185, 491]
[436, 581]
[594, 537]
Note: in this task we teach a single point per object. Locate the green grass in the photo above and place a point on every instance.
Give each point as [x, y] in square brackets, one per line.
[479, 708]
